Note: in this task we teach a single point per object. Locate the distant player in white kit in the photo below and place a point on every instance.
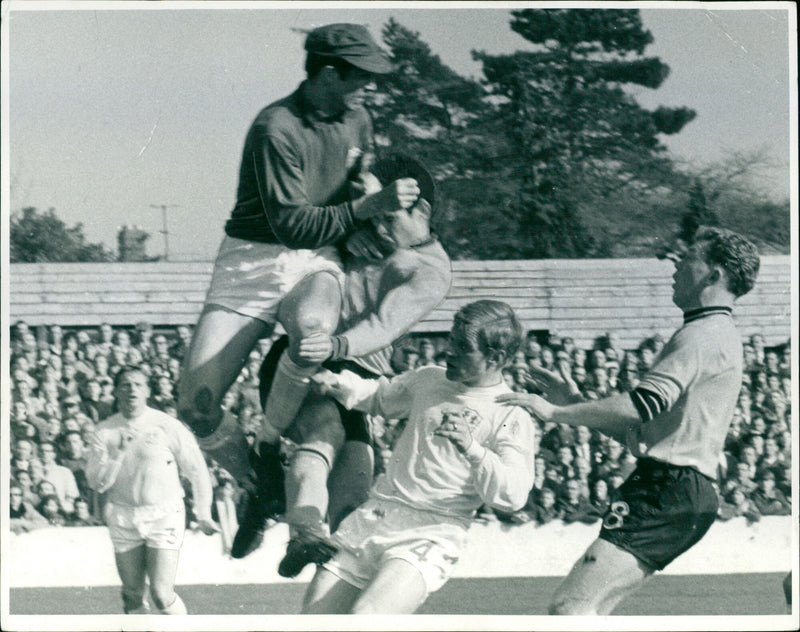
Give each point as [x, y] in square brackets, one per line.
[136, 458]
[458, 451]
[675, 421]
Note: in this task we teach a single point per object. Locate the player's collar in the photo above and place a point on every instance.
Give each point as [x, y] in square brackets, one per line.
[702, 312]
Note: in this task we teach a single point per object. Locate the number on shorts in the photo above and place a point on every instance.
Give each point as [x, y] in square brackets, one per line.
[421, 550]
[172, 538]
[616, 515]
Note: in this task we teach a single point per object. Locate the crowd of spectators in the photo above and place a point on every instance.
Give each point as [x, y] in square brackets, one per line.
[62, 386]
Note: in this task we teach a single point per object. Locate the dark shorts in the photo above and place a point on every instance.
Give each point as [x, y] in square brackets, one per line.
[356, 425]
[660, 511]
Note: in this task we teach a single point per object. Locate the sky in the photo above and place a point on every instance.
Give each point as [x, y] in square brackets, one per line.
[118, 110]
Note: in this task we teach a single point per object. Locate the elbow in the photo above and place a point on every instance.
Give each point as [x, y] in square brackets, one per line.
[518, 501]
[513, 500]
[291, 239]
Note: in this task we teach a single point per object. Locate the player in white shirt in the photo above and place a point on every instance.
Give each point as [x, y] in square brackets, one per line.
[675, 421]
[136, 458]
[458, 451]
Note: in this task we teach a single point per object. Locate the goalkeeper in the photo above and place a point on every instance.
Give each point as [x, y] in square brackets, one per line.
[382, 299]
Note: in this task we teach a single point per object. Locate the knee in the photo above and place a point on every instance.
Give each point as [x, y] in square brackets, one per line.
[199, 407]
[307, 323]
[308, 312]
[330, 433]
[319, 421]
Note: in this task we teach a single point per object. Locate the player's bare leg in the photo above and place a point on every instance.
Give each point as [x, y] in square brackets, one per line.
[398, 588]
[162, 565]
[787, 591]
[221, 343]
[329, 594]
[132, 572]
[312, 306]
[599, 580]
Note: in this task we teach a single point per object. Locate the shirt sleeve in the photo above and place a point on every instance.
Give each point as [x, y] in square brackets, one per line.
[649, 404]
[674, 370]
[192, 466]
[388, 398]
[284, 195]
[102, 464]
[503, 471]
[417, 289]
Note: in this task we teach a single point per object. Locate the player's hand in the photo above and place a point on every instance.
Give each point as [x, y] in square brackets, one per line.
[364, 184]
[558, 387]
[325, 382]
[457, 431]
[316, 348]
[354, 159]
[208, 526]
[400, 194]
[537, 406]
[125, 439]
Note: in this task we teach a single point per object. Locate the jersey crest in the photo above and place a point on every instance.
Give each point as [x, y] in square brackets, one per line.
[463, 413]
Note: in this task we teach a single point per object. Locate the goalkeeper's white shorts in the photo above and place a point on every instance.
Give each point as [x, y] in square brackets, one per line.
[252, 278]
[382, 530]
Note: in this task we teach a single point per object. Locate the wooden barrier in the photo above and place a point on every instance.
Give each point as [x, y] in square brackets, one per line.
[578, 298]
[82, 556]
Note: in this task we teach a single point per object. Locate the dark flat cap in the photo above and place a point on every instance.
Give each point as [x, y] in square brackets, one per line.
[350, 42]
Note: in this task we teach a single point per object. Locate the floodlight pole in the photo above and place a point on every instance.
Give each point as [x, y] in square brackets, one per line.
[164, 230]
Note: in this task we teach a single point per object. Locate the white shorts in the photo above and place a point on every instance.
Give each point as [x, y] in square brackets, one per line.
[380, 530]
[252, 278]
[156, 526]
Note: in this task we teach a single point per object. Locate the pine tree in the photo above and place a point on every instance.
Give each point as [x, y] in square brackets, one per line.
[578, 134]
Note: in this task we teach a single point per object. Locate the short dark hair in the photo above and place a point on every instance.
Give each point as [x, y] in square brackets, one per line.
[126, 370]
[735, 254]
[315, 63]
[492, 324]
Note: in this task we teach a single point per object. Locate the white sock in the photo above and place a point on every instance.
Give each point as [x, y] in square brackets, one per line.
[286, 394]
[176, 607]
[307, 491]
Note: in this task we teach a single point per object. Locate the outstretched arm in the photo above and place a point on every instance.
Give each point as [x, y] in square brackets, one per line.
[412, 294]
[558, 387]
[192, 465]
[388, 398]
[402, 307]
[612, 416]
